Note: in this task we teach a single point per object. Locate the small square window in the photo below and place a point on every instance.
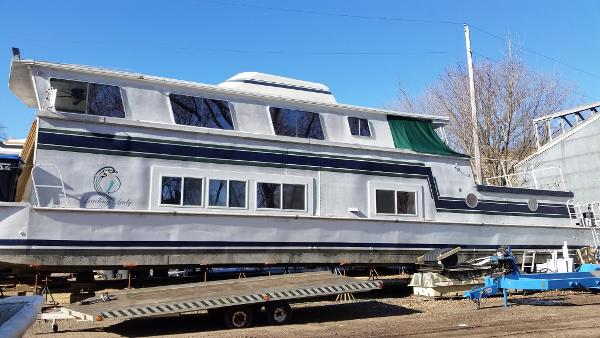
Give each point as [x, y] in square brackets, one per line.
[217, 193]
[171, 190]
[405, 203]
[384, 201]
[192, 191]
[237, 194]
[294, 197]
[359, 127]
[268, 195]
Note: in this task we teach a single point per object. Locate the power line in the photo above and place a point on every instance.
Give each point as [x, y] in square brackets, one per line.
[385, 18]
[537, 53]
[496, 61]
[341, 15]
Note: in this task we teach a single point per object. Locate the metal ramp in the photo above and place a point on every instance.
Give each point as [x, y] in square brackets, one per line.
[439, 257]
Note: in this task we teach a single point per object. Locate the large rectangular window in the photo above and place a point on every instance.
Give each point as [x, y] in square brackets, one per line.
[296, 123]
[395, 202]
[201, 112]
[87, 98]
[270, 196]
[185, 191]
[359, 127]
[227, 193]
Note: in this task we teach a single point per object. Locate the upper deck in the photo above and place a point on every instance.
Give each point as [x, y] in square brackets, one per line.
[248, 105]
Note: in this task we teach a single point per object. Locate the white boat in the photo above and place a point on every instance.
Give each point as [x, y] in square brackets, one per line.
[125, 169]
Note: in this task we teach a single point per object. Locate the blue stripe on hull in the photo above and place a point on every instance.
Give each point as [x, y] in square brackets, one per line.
[133, 147]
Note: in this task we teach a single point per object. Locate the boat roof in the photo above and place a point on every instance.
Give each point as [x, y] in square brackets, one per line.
[21, 84]
[11, 147]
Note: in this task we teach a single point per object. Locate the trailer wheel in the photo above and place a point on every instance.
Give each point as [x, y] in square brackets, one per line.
[55, 328]
[279, 313]
[238, 317]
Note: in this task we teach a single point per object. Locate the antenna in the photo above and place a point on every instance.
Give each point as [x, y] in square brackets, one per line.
[477, 154]
[16, 53]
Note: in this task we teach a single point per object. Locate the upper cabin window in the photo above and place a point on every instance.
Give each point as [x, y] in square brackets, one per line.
[296, 123]
[201, 112]
[359, 127]
[394, 202]
[87, 98]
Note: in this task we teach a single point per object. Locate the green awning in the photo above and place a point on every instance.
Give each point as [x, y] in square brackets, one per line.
[417, 135]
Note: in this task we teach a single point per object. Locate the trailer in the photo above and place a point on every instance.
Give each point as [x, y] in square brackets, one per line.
[236, 302]
[507, 276]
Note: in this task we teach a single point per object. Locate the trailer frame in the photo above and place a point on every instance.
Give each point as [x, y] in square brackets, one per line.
[230, 298]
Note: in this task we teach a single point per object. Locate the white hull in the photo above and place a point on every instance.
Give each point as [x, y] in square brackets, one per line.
[82, 237]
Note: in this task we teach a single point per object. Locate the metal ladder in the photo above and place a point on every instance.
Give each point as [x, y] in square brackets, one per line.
[587, 215]
[528, 254]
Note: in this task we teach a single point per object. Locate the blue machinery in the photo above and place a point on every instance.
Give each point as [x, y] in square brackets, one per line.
[507, 276]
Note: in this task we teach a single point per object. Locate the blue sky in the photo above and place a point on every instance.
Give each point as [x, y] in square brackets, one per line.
[360, 58]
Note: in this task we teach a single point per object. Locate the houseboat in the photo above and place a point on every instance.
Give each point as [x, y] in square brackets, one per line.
[126, 169]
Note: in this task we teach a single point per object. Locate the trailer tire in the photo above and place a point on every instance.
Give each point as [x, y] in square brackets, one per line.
[238, 317]
[279, 313]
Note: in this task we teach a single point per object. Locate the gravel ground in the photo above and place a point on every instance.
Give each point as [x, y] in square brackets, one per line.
[551, 314]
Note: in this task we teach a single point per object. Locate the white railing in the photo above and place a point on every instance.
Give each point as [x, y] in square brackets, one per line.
[530, 179]
[47, 186]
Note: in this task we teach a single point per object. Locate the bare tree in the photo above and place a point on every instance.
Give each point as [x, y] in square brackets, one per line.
[508, 96]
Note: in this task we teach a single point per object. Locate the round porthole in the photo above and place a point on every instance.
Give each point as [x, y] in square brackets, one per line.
[472, 200]
[532, 204]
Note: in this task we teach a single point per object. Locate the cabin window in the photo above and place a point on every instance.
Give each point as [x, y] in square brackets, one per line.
[201, 112]
[359, 127]
[227, 193]
[237, 194]
[173, 192]
[192, 191]
[395, 202]
[87, 98]
[296, 123]
[270, 196]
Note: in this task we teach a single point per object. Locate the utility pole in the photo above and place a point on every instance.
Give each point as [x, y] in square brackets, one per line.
[477, 154]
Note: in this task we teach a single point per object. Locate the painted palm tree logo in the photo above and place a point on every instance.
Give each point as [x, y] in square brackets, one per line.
[106, 182]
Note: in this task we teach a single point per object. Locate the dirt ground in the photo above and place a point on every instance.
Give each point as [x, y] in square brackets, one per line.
[553, 314]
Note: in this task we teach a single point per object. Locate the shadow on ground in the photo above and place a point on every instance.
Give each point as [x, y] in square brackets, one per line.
[203, 323]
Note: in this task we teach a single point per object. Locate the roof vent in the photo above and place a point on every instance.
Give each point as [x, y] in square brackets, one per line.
[273, 85]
